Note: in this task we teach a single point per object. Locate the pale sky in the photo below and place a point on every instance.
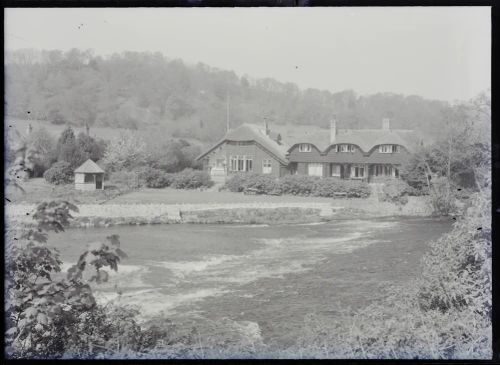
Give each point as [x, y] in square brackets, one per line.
[439, 53]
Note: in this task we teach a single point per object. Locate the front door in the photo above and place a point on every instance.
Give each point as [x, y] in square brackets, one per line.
[98, 183]
[345, 171]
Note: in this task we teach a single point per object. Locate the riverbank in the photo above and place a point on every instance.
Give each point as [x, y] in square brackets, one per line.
[105, 215]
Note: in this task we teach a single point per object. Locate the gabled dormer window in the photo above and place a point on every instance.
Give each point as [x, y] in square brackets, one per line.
[347, 148]
[304, 147]
[385, 148]
[389, 148]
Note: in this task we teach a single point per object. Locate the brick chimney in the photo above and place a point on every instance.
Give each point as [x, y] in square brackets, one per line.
[333, 130]
[386, 124]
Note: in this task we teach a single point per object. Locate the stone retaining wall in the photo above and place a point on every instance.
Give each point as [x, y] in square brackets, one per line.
[113, 214]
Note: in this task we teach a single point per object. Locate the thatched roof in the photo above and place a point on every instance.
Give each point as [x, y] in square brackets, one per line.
[89, 167]
[252, 132]
[367, 139]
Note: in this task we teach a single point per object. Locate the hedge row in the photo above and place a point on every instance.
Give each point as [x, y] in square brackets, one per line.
[186, 179]
[297, 185]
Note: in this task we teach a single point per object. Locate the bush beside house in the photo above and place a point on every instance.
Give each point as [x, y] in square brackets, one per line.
[60, 173]
[397, 191]
[297, 185]
[190, 179]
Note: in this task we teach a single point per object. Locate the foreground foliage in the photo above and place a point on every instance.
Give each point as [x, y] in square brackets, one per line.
[444, 314]
[49, 313]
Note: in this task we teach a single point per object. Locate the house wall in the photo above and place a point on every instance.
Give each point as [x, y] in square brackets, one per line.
[358, 157]
[345, 157]
[80, 183]
[258, 154]
[85, 186]
[313, 156]
[79, 178]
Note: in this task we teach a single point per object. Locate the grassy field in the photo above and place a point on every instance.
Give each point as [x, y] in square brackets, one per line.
[38, 190]
[175, 196]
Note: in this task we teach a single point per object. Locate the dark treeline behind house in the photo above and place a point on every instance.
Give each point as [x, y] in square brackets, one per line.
[133, 90]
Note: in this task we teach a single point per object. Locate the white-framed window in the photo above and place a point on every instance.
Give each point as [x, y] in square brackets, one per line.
[396, 148]
[267, 166]
[358, 172]
[304, 147]
[315, 169]
[249, 163]
[240, 163]
[233, 163]
[385, 148]
[220, 162]
[335, 170]
[347, 148]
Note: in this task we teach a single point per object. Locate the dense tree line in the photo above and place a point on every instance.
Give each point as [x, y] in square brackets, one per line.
[134, 89]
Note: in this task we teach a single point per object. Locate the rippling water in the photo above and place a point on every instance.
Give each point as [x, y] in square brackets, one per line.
[265, 278]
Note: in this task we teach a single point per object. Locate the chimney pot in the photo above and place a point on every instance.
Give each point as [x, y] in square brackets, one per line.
[386, 123]
[333, 130]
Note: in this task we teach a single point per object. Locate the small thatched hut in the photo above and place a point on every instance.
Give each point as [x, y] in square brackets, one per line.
[89, 176]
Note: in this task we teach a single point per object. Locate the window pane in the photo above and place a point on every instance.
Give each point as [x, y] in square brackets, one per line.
[315, 169]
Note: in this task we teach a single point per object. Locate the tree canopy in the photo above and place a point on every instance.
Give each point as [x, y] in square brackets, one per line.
[134, 89]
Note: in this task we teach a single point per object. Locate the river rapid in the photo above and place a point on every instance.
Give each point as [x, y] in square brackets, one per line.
[264, 278]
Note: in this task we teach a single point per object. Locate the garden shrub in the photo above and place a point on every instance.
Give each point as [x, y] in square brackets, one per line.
[298, 185]
[155, 178]
[329, 187]
[60, 173]
[396, 191]
[261, 184]
[442, 197]
[237, 182]
[190, 179]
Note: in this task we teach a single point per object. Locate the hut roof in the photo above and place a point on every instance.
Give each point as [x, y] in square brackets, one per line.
[90, 167]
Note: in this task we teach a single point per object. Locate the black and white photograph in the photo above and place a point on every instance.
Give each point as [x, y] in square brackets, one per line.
[248, 183]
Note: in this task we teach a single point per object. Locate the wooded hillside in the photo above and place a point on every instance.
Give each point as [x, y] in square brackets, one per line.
[133, 90]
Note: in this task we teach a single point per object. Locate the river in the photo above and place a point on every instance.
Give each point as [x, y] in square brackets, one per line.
[266, 277]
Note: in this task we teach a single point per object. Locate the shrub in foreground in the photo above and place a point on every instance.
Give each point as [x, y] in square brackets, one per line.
[444, 314]
[156, 178]
[60, 173]
[190, 179]
[298, 185]
[330, 187]
[397, 191]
